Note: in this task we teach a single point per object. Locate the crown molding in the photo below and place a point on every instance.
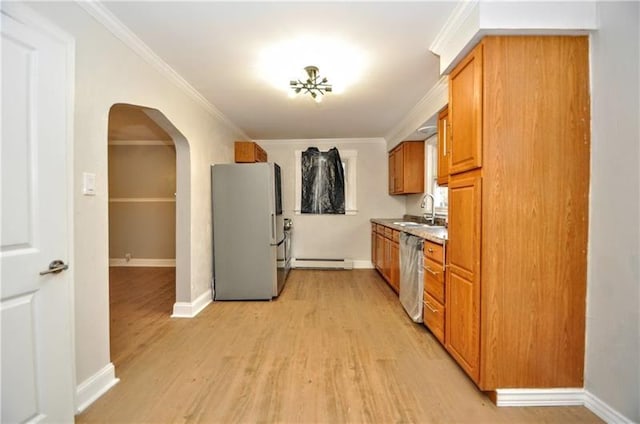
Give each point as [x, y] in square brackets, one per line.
[432, 102]
[454, 22]
[471, 20]
[102, 15]
[320, 142]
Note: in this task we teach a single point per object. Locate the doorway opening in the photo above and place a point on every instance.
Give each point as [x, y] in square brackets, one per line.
[148, 164]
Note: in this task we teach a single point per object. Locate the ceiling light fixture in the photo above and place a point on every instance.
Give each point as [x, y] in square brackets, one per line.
[314, 85]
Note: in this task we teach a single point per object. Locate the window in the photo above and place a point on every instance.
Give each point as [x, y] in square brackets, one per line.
[441, 194]
[349, 163]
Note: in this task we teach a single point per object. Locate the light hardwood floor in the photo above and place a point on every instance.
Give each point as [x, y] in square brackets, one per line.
[335, 347]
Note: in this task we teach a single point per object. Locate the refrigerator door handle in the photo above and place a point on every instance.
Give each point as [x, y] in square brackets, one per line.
[273, 227]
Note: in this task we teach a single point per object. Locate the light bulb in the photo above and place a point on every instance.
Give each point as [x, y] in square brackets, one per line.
[318, 99]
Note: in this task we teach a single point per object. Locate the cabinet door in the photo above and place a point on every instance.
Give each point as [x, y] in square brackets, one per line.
[379, 252]
[465, 113]
[399, 170]
[392, 172]
[386, 269]
[463, 272]
[395, 266]
[373, 244]
[443, 146]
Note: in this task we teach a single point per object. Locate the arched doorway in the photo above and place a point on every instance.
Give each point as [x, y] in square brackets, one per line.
[149, 216]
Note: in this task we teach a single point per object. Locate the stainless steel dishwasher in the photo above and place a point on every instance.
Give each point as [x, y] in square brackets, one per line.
[411, 275]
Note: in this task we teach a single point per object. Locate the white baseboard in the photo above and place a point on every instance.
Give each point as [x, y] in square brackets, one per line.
[310, 263]
[560, 397]
[142, 262]
[95, 386]
[191, 309]
[604, 410]
[539, 397]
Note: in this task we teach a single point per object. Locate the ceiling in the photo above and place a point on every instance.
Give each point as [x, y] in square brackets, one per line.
[219, 48]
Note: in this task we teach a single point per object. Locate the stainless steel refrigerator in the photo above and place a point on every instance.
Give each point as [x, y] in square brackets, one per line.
[248, 231]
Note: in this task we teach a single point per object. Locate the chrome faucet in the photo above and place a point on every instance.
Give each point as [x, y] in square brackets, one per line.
[423, 204]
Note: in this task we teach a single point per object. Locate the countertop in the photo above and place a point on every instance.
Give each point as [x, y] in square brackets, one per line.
[436, 235]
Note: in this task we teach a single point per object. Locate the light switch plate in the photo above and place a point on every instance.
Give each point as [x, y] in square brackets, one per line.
[88, 184]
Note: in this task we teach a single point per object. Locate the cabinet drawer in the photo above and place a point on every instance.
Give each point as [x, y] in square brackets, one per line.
[396, 236]
[433, 316]
[434, 279]
[434, 251]
[388, 232]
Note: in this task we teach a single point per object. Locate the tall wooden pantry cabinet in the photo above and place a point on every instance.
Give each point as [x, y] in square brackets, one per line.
[518, 211]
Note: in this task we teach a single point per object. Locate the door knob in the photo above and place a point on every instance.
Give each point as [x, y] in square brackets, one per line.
[55, 267]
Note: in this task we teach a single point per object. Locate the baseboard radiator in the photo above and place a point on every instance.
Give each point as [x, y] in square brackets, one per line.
[310, 263]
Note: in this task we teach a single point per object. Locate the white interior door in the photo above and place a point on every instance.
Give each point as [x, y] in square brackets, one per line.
[35, 310]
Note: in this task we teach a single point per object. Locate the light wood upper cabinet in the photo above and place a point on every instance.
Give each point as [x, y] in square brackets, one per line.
[444, 145]
[406, 168]
[465, 113]
[392, 172]
[518, 211]
[249, 152]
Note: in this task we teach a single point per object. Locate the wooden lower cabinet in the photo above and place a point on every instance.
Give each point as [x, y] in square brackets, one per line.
[433, 314]
[395, 266]
[379, 252]
[385, 252]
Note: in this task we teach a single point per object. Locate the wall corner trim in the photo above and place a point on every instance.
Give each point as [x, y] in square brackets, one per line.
[95, 386]
[191, 309]
[560, 397]
[107, 19]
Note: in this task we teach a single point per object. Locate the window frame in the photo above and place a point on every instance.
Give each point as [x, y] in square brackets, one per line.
[432, 174]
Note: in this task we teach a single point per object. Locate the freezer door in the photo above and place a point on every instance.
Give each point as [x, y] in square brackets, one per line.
[244, 231]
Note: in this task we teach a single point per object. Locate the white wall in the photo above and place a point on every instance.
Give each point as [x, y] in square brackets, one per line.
[108, 72]
[613, 290]
[338, 236]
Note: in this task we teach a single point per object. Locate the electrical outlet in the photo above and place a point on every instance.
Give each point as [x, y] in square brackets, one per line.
[127, 257]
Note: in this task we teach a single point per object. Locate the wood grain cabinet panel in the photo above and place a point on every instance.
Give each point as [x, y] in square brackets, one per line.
[406, 168]
[465, 113]
[379, 252]
[434, 279]
[444, 144]
[395, 266]
[463, 272]
[433, 314]
[433, 251]
[518, 211]
[386, 249]
[249, 152]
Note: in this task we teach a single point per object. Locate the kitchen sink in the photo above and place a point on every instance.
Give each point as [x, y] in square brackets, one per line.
[418, 225]
[408, 224]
